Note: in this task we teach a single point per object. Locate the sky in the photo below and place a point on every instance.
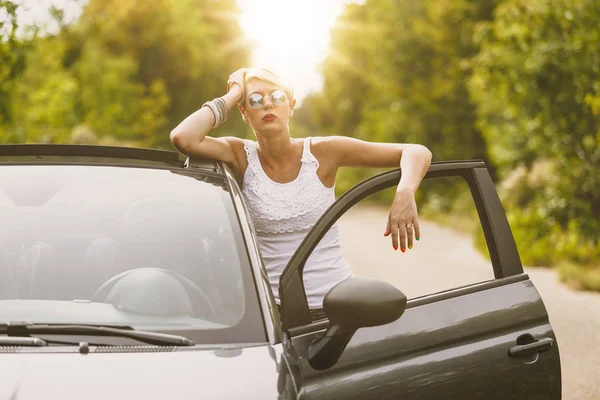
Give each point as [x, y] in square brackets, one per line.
[289, 36]
[37, 10]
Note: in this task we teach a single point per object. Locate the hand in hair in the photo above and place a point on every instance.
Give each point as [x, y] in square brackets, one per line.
[237, 78]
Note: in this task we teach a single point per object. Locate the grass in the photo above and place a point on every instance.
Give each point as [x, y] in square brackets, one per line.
[579, 276]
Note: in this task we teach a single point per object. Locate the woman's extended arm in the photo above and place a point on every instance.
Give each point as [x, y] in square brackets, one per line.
[189, 137]
[414, 159]
[414, 162]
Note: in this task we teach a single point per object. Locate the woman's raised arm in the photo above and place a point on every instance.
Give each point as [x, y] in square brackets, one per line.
[190, 136]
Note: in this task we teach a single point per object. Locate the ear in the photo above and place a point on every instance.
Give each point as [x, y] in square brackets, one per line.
[292, 105]
[243, 112]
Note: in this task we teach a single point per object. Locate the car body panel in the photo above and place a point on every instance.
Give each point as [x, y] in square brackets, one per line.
[457, 347]
[129, 372]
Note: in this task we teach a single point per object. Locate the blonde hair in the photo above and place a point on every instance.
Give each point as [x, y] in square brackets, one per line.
[269, 76]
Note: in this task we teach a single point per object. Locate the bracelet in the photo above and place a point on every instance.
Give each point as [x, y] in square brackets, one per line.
[216, 112]
[222, 104]
[219, 108]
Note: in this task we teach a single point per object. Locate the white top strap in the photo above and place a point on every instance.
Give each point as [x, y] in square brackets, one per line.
[308, 157]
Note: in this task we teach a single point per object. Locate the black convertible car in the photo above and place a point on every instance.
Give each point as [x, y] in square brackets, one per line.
[134, 273]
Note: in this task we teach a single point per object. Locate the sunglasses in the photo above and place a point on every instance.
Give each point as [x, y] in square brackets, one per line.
[256, 100]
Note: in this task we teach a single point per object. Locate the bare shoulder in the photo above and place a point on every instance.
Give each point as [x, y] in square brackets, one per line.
[237, 147]
[323, 144]
[234, 142]
[323, 148]
[327, 148]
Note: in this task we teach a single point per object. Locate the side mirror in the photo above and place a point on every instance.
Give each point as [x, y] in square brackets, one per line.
[352, 304]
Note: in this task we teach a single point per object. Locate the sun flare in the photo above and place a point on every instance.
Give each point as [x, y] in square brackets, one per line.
[290, 36]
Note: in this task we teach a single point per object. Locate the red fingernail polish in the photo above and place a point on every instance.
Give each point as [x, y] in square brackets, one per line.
[403, 249]
[395, 247]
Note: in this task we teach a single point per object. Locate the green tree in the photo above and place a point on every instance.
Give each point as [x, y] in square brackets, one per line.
[126, 71]
[114, 103]
[188, 47]
[44, 98]
[397, 72]
[536, 83]
[12, 57]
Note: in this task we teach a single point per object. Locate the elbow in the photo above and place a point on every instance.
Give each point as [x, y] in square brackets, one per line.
[427, 154]
[178, 140]
[176, 137]
[423, 152]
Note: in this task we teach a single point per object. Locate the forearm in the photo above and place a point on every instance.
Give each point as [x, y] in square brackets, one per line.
[198, 124]
[415, 162]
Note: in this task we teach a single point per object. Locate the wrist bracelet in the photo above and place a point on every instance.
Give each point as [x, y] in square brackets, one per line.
[222, 104]
[216, 112]
[219, 108]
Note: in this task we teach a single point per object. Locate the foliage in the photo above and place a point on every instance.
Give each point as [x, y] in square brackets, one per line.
[114, 103]
[583, 277]
[190, 50]
[396, 73]
[536, 82]
[12, 56]
[127, 70]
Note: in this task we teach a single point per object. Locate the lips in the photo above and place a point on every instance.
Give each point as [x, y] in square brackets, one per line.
[269, 117]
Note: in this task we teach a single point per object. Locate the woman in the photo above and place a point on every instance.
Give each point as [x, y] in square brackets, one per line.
[288, 183]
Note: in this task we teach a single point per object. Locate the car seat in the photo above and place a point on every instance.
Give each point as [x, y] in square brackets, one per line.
[167, 234]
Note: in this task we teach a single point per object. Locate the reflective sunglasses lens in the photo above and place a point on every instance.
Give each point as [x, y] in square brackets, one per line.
[278, 97]
[255, 100]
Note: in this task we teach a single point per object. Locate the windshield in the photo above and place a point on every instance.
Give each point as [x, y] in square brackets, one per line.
[148, 248]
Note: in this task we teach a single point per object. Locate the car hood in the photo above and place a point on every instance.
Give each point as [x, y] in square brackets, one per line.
[244, 373]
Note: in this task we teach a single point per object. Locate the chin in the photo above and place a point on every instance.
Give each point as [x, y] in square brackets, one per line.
[271, 127]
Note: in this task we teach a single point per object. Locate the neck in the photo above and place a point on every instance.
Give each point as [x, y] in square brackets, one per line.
[275, 149]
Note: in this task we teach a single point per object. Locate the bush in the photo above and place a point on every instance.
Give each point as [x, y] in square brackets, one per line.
[579, 276]
[537, 91]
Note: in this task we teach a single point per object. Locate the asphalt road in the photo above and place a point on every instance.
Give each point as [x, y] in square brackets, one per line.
[444, 258]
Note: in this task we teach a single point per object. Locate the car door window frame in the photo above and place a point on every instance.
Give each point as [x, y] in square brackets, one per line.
[500, 242]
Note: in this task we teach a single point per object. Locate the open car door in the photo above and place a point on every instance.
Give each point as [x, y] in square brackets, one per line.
[488, 340]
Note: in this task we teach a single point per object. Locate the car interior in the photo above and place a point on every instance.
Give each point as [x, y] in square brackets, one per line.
[155, 255]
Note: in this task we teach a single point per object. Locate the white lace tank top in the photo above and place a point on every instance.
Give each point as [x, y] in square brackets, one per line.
[283, 213]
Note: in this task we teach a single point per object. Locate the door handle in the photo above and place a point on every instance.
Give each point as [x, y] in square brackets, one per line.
[525, 350]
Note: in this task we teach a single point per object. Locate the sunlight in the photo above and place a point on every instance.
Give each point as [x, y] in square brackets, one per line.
[36, 12]
[290, 36]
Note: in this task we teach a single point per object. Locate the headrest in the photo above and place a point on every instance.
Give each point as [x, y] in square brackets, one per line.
[150, 291]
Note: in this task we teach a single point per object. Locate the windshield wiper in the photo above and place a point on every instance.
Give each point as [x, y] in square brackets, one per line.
[22, 341]
[24, 330]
